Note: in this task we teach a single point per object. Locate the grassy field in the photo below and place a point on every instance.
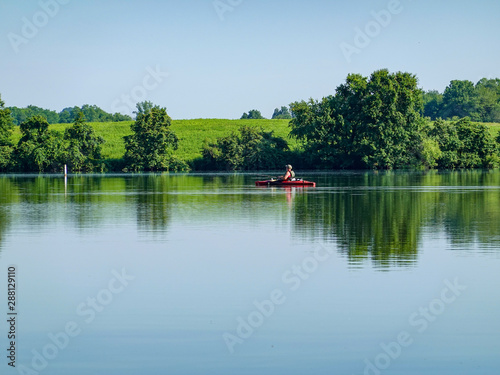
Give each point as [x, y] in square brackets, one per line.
[494, 128]
[191, 133]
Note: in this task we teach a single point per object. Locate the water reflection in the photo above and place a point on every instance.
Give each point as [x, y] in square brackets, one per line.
[375, 224]
[381, 217]
[5, 215]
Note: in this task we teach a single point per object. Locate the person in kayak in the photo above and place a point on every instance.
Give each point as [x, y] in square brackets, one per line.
[288, 175]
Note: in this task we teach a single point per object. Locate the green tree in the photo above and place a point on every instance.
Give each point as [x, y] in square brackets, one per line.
[68, 115]
[433, 104]
[460, 100]
[5, 136]
[252, 115]
[117, 117]
[39, 148]
[84, 147]
[368, 123]
[446, 135]
[488, 92]
[249, 149]
[19, 115]
[152, 143]
[282, 113]
[93, 113]
[144, 107]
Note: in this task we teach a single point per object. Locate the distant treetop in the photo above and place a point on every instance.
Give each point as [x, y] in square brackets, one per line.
[480, 102]
[253, 115]
[68, 115]
[144, 107]
[282, 113]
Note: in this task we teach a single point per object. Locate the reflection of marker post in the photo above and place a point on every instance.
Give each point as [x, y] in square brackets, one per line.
[65, 179]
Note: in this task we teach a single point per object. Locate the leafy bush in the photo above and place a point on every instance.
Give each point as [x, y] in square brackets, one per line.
[250, 149]
[430, 153]
[464, 144]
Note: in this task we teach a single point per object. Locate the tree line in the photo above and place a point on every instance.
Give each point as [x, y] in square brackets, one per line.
[461, 98]
[376, 123]
[281, 113]
[40, 149]
[371, 122]
[92, 113]
[479, 102]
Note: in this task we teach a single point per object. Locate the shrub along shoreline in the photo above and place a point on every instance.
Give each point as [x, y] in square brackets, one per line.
[193, 134]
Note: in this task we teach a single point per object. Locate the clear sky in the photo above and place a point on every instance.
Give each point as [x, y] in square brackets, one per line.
[218, 59]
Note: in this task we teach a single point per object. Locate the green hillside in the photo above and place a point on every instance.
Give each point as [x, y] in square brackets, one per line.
[494, 128]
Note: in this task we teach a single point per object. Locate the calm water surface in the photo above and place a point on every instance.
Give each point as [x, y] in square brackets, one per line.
[388, 273]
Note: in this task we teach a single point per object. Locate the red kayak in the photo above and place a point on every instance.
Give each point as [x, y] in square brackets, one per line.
[294, 182]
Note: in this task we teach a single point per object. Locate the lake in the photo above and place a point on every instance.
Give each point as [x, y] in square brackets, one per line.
[368, 273]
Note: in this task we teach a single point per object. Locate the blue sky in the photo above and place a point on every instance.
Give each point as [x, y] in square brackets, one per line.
[200, 61]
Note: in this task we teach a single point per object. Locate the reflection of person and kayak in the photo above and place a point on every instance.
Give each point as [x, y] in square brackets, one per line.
[288, 179]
